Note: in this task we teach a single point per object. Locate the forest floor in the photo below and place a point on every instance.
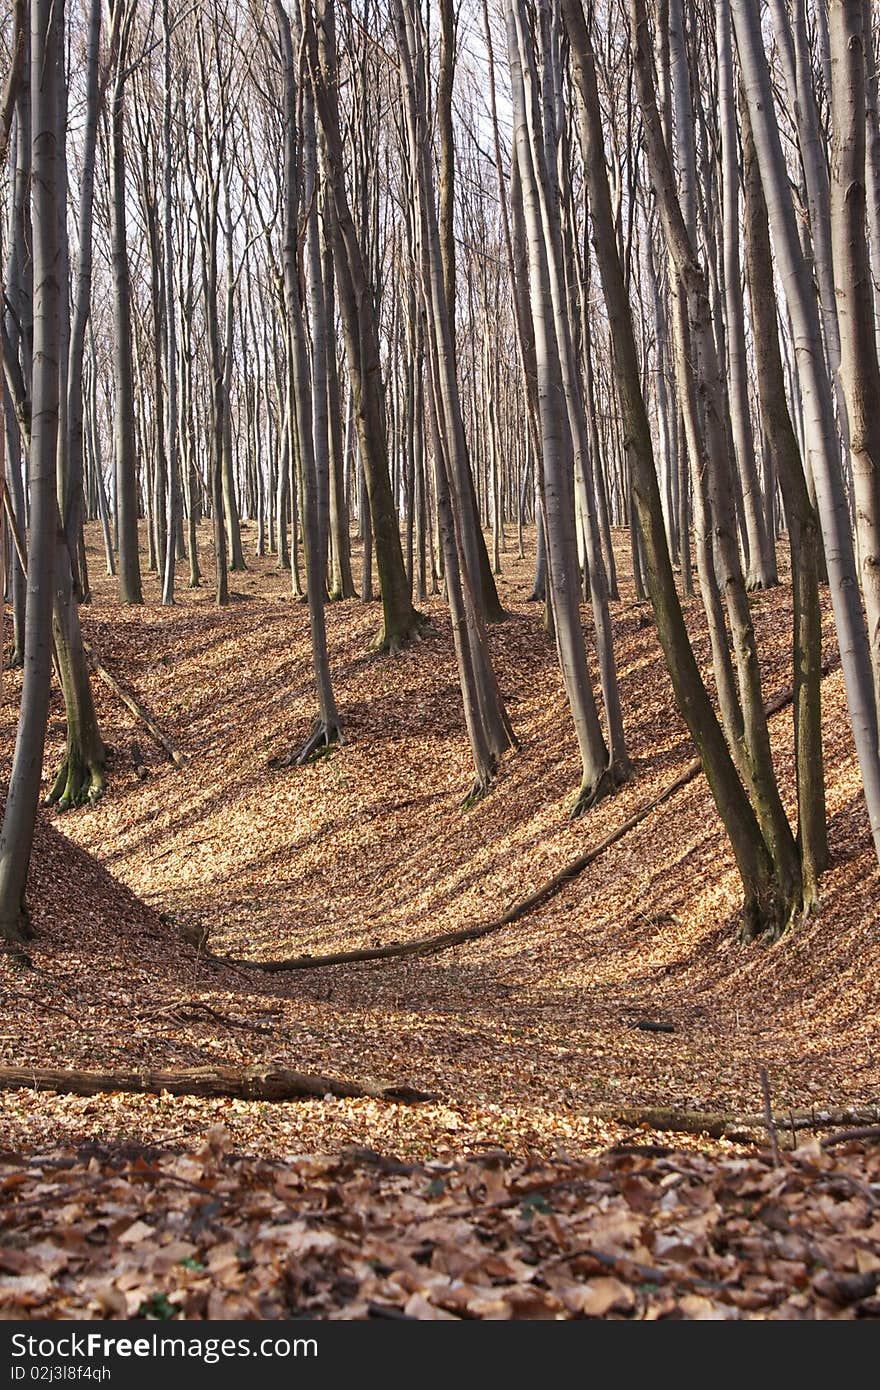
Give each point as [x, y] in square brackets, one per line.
[528, 1038]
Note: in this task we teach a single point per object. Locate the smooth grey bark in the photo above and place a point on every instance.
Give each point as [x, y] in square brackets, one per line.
[556, 450]
[71, 502]
[820, 430]
[171, 421]
[762, 561]
[859, 367]
[342, 581]
[310, 394]
[356, 302]
[544, 157]
[230, 494]
[488, 591]
[129, 571]
[745, 719]
[16, 326]
[488, 726]
[872, 116]
[803, 525]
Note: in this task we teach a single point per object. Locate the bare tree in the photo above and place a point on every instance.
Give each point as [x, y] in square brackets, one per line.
[16, 836]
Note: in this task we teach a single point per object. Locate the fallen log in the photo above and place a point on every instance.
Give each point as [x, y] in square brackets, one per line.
[428, 945]
[243, 1083]
[742, 1128]
[138, 709]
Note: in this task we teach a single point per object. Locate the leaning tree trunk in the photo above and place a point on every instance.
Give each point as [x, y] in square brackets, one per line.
[757, 762]
[16, 837]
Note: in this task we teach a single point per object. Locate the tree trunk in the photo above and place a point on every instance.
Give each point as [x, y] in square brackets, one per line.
[859, 367]
[129, 573]
[311, 396]
[16, 837]
[558, 492]
[762, 563]
[803, 525]
[819, 425]
[400, 620]
[761, 907]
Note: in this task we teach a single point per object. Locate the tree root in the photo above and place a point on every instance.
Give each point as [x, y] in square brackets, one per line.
[592, 793]
[478, 791]
[384, 644]
[754, 584]
[321, 741]
[17, 931]
[770, 922]
[319, 744]
[78, 782]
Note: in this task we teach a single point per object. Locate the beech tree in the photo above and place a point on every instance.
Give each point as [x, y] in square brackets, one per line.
[436, 282]
[47, 185]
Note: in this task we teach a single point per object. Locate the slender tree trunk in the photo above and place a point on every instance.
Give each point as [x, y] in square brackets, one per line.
[761, 905]
[860, 370]
[762, 562]
[130, 590]
[803, 524]
[171, 422]
[16, 837]
[819, 425]
[557, 493]
[400, 620]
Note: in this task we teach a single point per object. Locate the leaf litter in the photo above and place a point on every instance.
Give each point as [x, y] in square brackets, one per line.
[519, 1034]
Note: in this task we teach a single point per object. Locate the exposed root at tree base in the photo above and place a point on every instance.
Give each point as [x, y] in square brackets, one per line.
[78, 782]
[17, 930]
[385, 644]
[322, 740]
[478, 791]
[590, 795]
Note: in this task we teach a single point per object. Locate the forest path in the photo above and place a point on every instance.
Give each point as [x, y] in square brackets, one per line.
[531, 1026]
